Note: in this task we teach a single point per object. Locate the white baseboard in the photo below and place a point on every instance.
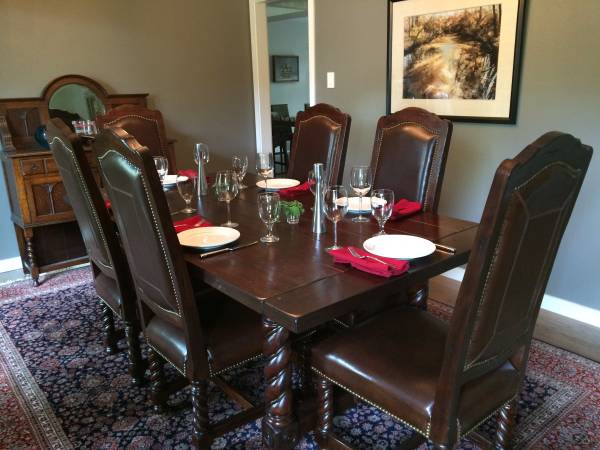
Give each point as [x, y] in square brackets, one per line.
[556, 305]
[8, 264]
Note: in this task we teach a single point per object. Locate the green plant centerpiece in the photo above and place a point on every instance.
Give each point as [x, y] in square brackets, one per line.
[292, 210]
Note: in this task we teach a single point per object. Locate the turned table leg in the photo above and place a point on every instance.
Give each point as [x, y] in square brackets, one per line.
[279, 429]
[34, 270]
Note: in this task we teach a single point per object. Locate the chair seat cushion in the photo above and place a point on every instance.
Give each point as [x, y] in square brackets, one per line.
[233, 333]
[107, 290]
[394, 361]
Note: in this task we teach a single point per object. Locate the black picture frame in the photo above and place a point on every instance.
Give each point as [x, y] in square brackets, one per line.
[510, 117]
[285, 68]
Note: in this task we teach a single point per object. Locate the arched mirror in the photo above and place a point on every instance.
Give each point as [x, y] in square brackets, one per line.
[75, 102]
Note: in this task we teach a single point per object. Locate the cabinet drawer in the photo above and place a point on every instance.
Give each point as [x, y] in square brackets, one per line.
[51, 166]
[32, 166]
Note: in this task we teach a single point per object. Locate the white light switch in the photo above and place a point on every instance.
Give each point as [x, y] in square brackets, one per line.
[330, 80]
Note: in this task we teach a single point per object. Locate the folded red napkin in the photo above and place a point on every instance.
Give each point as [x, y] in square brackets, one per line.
[294, 191]
[107, 204]
[190, 222]
[392, 267]
[191, 173]
[403, 208]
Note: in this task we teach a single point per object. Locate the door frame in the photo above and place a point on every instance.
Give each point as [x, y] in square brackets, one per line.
[261, 77]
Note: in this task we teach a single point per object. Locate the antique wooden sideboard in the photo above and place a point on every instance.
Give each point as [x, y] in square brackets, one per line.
[47, 233]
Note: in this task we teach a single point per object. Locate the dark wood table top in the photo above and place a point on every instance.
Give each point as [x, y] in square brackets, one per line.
[294, 281]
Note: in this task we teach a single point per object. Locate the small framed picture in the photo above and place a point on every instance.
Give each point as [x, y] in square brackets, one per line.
[458, 59]
[285, 68]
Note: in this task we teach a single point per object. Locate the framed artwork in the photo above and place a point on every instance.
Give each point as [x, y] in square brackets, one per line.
[459, 59]
[285, 68]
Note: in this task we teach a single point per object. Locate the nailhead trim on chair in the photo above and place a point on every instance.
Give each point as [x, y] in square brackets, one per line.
[418, 430]
[487, 417]
[167, 359]
[233, 366]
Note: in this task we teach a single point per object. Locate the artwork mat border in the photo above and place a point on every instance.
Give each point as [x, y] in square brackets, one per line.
[274, 69]
[512, 75]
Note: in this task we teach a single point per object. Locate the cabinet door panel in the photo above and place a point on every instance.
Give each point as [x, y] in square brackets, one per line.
[47, 200]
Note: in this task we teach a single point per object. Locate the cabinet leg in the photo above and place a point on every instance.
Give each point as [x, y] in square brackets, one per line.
[34, 270]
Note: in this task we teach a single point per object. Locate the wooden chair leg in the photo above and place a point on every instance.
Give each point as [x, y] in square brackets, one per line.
[325, 412]
[134, 352]
[506, 425]
[201, 430]
[108, 324]
[157, 381]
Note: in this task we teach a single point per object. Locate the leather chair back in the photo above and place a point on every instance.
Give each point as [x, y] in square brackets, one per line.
[146, 125]
[409, 155]
[320, 135]
[524, 219]
[140, 208]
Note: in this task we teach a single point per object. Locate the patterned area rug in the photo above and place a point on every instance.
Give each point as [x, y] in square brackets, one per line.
[58, 389]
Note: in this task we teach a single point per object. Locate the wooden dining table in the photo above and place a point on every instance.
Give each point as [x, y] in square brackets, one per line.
[296, 287]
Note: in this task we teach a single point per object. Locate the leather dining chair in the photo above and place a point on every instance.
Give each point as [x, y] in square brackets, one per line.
[199, 331]
[443, 380]
[320, 135]
[112, 279]
[146, 125]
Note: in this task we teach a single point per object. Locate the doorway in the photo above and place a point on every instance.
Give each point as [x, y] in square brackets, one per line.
[282, 38]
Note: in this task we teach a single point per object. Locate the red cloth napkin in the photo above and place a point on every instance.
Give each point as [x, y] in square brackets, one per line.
[392, 268]
[107, 204]
[404, 208]
[191, 173]
[190, 222]
[294, 191]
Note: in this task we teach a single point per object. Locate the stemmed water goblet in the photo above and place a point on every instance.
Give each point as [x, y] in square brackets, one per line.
[360, 181]
[382, 205]
[240, 166]
[201, 158]
[226, 188]
[268, 211]
[187, 187]
[162, 167]
[264, 165]
[335, 205]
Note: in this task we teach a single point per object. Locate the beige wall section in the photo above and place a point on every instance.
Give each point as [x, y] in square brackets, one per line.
[560, 90]
[192, 57]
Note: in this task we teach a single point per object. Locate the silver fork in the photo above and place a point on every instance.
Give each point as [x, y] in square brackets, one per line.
[359, 256]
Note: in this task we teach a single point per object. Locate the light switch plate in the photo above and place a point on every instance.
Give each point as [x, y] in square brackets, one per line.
[330, 80]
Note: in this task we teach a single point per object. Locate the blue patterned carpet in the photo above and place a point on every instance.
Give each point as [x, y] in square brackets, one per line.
[59, 336]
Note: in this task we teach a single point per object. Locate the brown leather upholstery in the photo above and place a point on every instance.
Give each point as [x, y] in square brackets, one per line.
[320, 136]
[146, 125]
[443, 382]
[111, 272]
[409, 155]
[199, 336]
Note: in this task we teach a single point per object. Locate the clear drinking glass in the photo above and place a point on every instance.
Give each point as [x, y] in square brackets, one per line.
[187, 187]
[226, 188]
[201, 153]
[382, 205]
[335, 205]
[361, 179]
[162, 166]
[240, 167]
[264, 165]
[268, 211]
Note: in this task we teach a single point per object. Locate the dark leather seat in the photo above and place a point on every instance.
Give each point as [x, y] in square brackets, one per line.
[320, 136]
[445, 380]
[146, 125]
[198, 330]
[372, 361]
[112, 278]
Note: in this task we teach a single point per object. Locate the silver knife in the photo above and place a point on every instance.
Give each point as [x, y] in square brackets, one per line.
[445, 249]
[225, 250]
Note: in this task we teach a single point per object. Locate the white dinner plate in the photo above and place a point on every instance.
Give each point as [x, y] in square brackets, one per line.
[354, 204]
[169, 180]
[208, 237]
[399, 246]
[274, 184]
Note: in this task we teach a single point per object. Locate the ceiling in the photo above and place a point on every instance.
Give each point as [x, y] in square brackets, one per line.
[286, 9]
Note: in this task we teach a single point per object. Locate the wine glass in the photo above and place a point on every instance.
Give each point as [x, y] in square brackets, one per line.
[162, 166]
[382, 205]
[187, 187]
[240, 166]
[360, 182]
[264, 165]
[335, 205]
[201, 153]
[226, 188]
[268, 211]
